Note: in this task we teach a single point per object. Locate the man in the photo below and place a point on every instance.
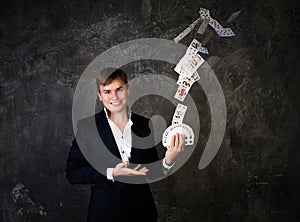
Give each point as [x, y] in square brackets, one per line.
[111, 199]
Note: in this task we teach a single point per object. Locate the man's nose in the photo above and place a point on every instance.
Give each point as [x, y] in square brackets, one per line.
[115, 95]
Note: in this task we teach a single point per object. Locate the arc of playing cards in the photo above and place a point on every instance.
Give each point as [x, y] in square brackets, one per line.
[186, 31]
[222, 32]
[178, 127]
[187, 69]
[207, 19]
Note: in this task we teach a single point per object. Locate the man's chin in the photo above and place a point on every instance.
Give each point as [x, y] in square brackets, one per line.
[114, 109]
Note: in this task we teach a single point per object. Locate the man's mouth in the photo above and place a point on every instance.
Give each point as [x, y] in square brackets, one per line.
[115, 103]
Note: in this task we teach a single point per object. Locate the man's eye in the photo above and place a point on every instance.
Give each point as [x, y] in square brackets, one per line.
[121, 89]
[106, 92]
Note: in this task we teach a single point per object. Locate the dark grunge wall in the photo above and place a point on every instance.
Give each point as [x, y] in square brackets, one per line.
[46, 45]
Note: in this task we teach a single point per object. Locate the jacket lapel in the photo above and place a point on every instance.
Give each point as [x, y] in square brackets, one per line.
[137, 132]
[106, 134]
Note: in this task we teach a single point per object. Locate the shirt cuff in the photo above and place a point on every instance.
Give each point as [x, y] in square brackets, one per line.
[165, 164]
[109, 174]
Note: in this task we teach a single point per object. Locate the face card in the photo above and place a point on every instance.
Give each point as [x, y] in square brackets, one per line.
[185, 80]
[181, 93]
[189, 63]
[193, 63]
[225, 32]
[192, 60]
[195, 76]
[188, 81]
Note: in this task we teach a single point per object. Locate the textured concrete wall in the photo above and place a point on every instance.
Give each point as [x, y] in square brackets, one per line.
[46, 45]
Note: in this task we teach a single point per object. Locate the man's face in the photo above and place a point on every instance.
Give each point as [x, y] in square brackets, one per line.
[114, 96]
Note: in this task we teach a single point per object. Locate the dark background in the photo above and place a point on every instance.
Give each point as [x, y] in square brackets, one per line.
[46, 45]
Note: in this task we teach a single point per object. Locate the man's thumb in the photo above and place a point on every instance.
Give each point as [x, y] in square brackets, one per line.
[125, 164]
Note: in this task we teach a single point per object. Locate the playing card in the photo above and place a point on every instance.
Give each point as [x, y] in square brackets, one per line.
[179, 68]
[186, 31]
[195, 76]
[189, 134]
[185, 80]
[179, 128]
[233, 16]
[203, 26]
[188, 81]
[169, 132]
[189, 63]
[225, 32]
[193, 63]
[204, 13]
[181, 92]
[215, 24]
[192, 49]
[203, 50]
[179, 114]
[192, 60]
[194, 46]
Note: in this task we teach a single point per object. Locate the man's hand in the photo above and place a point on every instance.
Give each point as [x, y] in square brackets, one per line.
[122, 170]
[176, 147]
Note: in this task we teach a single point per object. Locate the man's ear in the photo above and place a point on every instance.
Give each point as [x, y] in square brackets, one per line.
[99, 96]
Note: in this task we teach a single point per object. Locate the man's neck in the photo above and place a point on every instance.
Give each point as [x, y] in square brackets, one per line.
[120, 119]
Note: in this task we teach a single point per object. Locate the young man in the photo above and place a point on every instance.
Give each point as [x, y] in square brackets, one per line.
[112, 200]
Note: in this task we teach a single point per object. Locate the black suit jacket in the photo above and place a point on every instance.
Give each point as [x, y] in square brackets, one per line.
[112, 201]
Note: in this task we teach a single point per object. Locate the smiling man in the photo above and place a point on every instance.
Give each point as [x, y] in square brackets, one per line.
[112, 200]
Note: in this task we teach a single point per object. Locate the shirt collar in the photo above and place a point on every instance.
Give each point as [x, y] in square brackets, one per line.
[109, 120]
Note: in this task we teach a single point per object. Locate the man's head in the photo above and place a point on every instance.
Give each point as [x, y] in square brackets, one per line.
[113, 89]
[106, 76]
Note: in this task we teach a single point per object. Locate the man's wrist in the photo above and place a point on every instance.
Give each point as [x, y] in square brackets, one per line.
[168, 165]
[169, 162]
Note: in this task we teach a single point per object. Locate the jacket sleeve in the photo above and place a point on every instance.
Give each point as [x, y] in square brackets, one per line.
[156, 171]
[78, 170]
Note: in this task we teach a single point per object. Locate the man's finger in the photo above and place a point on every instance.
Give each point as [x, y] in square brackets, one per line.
[125, 164]
[182, 142]
[121, 165]
[176, 140]
[136, 168]
[172, 143]
[134, 172]
[144, 169]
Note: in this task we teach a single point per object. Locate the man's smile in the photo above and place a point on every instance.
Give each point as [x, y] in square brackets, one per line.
[115, 103]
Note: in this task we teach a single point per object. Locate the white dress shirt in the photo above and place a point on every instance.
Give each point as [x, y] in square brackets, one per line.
[124, 143]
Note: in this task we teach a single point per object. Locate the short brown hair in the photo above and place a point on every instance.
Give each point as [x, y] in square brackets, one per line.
[106, 76]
